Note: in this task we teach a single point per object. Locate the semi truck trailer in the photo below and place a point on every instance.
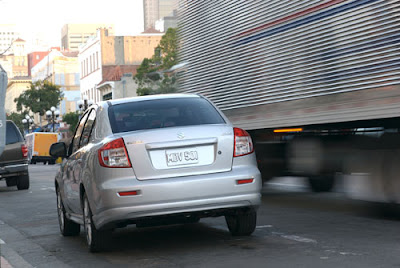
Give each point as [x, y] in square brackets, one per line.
[315, 83]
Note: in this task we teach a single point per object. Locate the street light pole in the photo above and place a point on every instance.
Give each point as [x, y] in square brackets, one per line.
[84, 104]
[27, 122]
[52, 114]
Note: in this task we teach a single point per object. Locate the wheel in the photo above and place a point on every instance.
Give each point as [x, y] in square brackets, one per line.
[321, 183]
[11, 181]
[52, 162]
[242, 222]
[23, 182]
[67, 227]
[96, 239]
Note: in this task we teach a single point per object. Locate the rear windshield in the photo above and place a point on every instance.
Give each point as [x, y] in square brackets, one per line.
[163, 113]
[12, 134]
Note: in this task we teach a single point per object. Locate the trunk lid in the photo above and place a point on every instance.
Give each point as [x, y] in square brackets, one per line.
[180, 151]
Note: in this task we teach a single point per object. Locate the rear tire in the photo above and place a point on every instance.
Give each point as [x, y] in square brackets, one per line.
[23, 182]
[96, 239]
[321, 183]
[67, 227]
[12, 181]
[242, 223]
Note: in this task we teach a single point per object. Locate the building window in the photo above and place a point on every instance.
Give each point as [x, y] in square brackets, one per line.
[90, 62]
[107, 96]
[97, 59]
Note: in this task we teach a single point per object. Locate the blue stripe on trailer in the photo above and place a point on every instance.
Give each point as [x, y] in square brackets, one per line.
[307, 20]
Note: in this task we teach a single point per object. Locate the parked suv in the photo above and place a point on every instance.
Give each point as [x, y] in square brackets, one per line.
[14, 159]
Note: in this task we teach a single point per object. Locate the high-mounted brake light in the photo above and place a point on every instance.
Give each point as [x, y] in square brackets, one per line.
[114, 155]
[243, 143]
[24, 151]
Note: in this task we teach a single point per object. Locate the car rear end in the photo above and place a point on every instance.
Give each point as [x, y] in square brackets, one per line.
[14, 160]
[173, 156]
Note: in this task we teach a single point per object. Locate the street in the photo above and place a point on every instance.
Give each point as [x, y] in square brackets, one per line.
[295, 228]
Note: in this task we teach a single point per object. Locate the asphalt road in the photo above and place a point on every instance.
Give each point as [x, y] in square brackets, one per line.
[295, 228]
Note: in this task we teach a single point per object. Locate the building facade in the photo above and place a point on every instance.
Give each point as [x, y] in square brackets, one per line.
[118, 82]
[36, 56]
[106, 50]
[8, 34]
[61, 68]
[20, 59]
[157, 10]
[73, 35]
[16, 63]
[16, 86]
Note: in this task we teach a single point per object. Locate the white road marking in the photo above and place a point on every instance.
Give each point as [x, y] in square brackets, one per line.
[296, 238]
[2, 242]
[264, 226]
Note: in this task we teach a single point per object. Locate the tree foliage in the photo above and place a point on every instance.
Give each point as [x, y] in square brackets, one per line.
[150, 75]
[71, 119]
[40, 97]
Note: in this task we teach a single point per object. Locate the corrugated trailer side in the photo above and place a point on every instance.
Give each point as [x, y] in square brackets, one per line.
[284, 63]
[330, 69]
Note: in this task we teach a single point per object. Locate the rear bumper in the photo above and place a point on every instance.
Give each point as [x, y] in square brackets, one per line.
[13, 170]
[42, 158]
[192, 194]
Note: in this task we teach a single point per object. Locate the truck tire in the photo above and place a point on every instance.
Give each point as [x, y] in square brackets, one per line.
[321, 183]
[242, 222]
[12, 181]
[23, 182]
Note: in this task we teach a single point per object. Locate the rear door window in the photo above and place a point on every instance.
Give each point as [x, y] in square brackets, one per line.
[88, 128]
[12, 134]
[78, 134]
[163, 113]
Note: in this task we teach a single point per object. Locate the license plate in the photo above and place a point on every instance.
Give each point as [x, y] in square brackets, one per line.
[182, 157]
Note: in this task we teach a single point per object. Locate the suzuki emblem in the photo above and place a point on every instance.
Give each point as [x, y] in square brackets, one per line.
[181, 136]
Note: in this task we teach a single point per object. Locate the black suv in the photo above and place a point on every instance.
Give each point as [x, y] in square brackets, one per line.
[14, 159]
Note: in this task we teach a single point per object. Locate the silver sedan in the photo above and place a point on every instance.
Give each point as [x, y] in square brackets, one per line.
[155, 160]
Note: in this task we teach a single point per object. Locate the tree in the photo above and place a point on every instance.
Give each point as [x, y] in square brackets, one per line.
[150, 75]
[168, 49]
[71, 119]
[41, 96]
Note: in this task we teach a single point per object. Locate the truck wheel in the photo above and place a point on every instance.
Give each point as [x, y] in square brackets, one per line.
[321, 183]
[23, 182]
[11, 181]
[242, 223]
[96, 239]
[67, 227]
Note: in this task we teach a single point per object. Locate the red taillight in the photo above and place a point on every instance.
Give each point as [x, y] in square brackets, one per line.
[243, 144]
[128, 193]
[114, 155]
[24, 151]
[244, 181]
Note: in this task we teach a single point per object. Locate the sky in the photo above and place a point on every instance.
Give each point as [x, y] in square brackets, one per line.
[46, 17]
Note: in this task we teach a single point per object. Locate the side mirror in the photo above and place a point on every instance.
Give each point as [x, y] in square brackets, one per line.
[58, 149]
